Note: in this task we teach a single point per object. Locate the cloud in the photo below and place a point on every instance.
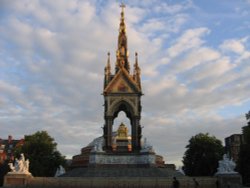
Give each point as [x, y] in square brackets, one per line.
[190, 39]
[236, 46]
[8, 88]
[173, 8]
[196, 57]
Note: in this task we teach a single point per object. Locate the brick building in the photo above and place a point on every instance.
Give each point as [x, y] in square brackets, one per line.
[232, 145]
[7, 147]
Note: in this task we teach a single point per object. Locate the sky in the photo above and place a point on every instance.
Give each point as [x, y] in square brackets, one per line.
[193, 54]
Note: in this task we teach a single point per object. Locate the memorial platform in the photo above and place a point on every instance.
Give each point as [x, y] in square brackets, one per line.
[122, 171]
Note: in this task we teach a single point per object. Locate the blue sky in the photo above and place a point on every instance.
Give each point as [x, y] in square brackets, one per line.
[194, 57]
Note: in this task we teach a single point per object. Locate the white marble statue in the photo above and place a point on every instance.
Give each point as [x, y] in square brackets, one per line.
[226, 166]
[146, 147]
[94, 149]
[21, 166]
[60, 171]
[12, 168]
[181, 170]
[97, 145]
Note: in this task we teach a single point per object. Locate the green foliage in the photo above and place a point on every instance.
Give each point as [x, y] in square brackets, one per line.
[243, 164]
[41, 150]
[4, 169]
[202, 155]
[246, 130]
[248, 117]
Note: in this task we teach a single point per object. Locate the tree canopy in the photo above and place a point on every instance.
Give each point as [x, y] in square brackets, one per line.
[40, 149]
[202, 155]
[4, 169]
[243, 164]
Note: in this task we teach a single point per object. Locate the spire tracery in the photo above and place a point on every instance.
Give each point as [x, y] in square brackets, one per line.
[122, 51]
[107, 70]
[122, 55]
[137, 71]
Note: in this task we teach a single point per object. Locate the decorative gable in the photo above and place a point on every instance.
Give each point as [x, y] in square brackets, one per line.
[122, 82]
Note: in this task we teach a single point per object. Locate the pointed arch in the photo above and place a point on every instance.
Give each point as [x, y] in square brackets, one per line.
[125, 106]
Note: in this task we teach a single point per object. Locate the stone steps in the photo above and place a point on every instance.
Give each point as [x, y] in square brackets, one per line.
[122, 172]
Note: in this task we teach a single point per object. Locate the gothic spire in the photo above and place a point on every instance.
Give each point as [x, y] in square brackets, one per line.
[122, 51]
[107, 71]
[137, 71]
[108, 63]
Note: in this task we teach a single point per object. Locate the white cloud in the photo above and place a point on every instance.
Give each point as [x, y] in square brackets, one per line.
[196, 57]
[190, 39]
[8, 88]
[236, 46]
[211, 69]
[173, 9]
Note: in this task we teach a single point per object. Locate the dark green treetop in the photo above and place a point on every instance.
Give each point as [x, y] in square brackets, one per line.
[202, 155]
[40, 149]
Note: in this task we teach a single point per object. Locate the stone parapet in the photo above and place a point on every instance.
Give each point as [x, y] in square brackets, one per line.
[229, 180]
[101, 182]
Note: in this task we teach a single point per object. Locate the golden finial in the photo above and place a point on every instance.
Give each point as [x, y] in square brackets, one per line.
[107, 68]
[122, 5]
[136, 59]
[108, 62]
[137, 71]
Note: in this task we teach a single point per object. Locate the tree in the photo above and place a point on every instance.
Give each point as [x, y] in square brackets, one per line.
[4, 169]
[202, 155]
[41, 151]
[243, 164]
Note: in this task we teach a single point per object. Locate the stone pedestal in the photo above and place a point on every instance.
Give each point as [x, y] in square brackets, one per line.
[122, 145]
[16, 179]
[229, 180]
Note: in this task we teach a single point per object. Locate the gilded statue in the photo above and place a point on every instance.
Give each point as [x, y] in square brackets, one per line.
[122, 131]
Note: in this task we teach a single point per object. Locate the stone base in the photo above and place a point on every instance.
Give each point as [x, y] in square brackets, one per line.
[98, 158]
[16, 179]
[117, 171]
[228, 180]
[120, 182]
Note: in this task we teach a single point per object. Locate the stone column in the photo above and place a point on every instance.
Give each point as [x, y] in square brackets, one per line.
[136, 134]
[108, 133]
